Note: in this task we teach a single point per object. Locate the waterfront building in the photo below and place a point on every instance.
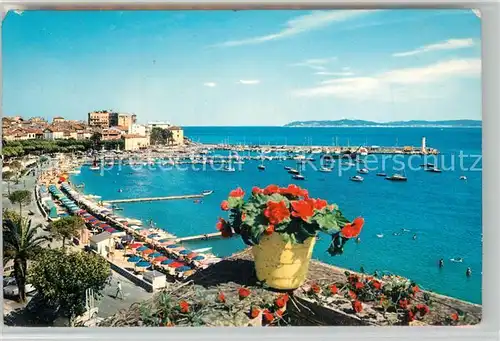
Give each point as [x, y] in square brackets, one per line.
[102, 243]
[123, 120]
[158, 124]
[138, 129]
[99, 118]
[136, 142]
[114, 133]
[53, 133]
[177, 135]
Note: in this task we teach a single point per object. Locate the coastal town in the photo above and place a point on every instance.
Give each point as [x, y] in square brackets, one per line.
[146, 259]
[106, 125]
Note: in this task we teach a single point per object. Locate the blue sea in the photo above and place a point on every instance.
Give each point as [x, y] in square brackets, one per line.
[442, 211]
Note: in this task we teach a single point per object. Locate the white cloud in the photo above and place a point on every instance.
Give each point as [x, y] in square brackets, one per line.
[303, 23]
[249, 81]
[450, 44]
[316, 64]
[338, 74]
[398, 83]
[210, 84]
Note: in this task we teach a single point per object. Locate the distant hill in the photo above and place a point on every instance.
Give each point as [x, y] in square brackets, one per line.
[362, 123]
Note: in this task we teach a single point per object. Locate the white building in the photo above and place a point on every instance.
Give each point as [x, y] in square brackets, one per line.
[138, 129]
[53, 134]
[158, 124]
[102, 243]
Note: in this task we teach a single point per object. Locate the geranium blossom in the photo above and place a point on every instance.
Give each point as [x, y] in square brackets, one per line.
[303, 209]
[276, 212]
[237, 193]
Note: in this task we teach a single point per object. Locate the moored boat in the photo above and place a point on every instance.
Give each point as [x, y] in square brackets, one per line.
[325, 169]
[207, 192]
[357, 178]
[363, 171]
[298, 177]
[381, 174]
[293, 171]
[397, 177]
[261, 167]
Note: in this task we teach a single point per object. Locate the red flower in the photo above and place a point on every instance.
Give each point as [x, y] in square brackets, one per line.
[276, 212]
[243, 216]
[293, 190]
[315, 288]
[303, 209]
[333, 289]
[221, 298]
[280, 302]
[271, 189]
[422, 309]
[403, 303]
[221, 224]
[256, 190]
[415, 289]
[184, 306]
[357, 306]
[410, 316]
[359, 285]
[254, 312]
[353, 294]
[243, 292]
[269, 230]
[353, 229]
[320, 204]
[268, 317]
[237, 193]
[376, 284]
[454, 316]
[279, 313]
[224, 205]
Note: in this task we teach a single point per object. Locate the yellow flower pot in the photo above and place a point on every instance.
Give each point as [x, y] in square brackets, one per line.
[282, 265]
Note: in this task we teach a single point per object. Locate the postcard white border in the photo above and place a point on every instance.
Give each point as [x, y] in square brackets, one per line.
[488, 329]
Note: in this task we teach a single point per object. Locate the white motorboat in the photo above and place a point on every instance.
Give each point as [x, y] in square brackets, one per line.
[363, 171]
[357, 178]
[325, 169]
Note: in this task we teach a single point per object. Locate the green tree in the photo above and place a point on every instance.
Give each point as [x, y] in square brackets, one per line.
[63, 278]
[21, 197]
[66, 228]
[156, 136]
[8, 176]
[20, 244]
[96, 139]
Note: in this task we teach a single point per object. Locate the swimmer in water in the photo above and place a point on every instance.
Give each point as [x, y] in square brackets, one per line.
[396, 234]
[468, 273]
[441, 263]
[358, 240]
[414, 236]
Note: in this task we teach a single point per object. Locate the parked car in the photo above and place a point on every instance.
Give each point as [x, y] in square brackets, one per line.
[10, 288]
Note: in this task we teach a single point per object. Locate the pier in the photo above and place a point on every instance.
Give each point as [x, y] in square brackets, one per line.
[198, 237]
[172, 197]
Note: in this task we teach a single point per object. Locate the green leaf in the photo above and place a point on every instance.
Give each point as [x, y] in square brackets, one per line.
[327, 222]
[256, 233]
[235, 202]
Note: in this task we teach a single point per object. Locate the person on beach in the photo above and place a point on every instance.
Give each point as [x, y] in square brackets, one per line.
[119, 290]
[441, 262]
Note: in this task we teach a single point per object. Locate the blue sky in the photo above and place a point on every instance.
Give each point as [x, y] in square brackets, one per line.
[246, 67]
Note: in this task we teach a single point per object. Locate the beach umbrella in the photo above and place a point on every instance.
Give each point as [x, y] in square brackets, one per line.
[147, 252]
[135, 245]
[127, 238]
[199, 257]
[153, 235]
[167, 261]
[185, 252]
[95, 222]
[175, 265]
[103, 225]
[142, 248]
[172, 246]
[155, 254]
[134, 259]
[159, 259]
[110, 230]
[143, 264]
[182, 269]
[192, 254]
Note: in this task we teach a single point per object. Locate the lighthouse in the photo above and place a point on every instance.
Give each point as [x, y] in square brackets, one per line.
[424, 149]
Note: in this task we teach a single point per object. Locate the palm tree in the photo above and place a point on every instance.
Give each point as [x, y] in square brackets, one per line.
[20, 244]
[21, 197]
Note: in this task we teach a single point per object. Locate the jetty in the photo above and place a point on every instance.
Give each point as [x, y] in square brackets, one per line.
[172, 197]
[198, 237]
